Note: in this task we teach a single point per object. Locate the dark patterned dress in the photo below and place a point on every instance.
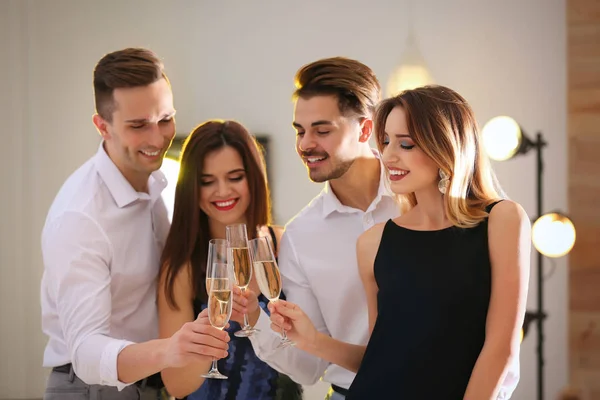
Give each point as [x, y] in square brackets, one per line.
[249, 378]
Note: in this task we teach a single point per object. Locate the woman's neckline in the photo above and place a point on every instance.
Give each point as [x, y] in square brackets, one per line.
[421, 230]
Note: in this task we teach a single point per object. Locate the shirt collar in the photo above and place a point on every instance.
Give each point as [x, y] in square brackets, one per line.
[331, 203]
[120, 189]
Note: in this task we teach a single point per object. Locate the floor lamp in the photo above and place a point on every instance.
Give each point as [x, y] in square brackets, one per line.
[553, 234]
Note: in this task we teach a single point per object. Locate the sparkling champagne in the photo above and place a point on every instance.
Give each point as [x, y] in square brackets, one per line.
[219, 307]
[223, 296]
[268, 279]
[220, 284]
[240, 256]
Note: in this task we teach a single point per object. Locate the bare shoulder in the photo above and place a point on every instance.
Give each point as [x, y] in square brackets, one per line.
[508, 212]
[175, 303]
[182, 282]
[264, 230]
[278, 229]
[373, 234]
[368, 241]
[182, 274]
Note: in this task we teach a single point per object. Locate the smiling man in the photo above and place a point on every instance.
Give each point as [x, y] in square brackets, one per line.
[334, 104]
[102, 243]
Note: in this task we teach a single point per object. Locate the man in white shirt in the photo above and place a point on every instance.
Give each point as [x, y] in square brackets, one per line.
[334, 104]
[102, 244]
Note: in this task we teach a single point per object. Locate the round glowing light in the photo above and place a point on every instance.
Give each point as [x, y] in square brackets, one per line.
[501, 138]
[553, 235]
[406, 77]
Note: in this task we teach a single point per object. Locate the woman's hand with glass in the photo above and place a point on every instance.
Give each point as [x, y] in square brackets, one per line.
[239, 257]
[219, 287]
[245, 302]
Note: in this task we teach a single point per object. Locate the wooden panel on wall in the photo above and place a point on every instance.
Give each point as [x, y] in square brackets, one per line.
[583, 55]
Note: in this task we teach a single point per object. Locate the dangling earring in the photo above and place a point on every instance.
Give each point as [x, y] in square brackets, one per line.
[444, 182]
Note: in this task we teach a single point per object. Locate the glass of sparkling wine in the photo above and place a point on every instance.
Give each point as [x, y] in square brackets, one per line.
[217, 254]
[220, 299]
[267, 274]
[239, 257]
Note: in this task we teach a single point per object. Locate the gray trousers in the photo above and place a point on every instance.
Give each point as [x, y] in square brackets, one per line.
[333, 395]
[336, 396]
[61, 386]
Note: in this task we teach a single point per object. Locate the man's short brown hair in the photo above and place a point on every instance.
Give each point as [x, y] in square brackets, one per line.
[131, 67]
[352, 82]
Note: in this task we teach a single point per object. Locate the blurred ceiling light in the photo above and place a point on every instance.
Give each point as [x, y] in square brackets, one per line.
[411, 73]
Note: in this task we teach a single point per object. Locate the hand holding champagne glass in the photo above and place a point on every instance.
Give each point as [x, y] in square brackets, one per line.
[239, 256]
[220, 296]
[267, 274]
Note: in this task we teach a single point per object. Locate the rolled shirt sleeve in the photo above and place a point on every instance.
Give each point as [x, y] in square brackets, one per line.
[302, 367]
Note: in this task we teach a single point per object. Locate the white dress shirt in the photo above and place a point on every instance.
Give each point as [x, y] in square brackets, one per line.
[319, 270]
[101, 246]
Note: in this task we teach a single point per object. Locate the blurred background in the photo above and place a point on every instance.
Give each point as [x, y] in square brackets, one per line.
[537, 61]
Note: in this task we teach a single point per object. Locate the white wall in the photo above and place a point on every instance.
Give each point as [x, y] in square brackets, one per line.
[504, 57]
[18, 311]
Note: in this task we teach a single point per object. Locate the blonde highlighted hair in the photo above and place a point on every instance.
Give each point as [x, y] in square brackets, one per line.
[443, 126]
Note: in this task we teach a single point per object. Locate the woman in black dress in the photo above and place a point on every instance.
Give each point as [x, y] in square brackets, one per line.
[447, 281]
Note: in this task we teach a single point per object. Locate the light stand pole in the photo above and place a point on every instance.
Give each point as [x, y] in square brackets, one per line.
[538, 145]
[503, 138]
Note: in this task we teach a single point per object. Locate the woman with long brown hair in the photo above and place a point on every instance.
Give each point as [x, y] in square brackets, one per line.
[447, 280]
[222, 181]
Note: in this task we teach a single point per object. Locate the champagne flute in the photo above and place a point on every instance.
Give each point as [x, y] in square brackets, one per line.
[267, 275]
[217, 253]
[220, 300]
[239, 256]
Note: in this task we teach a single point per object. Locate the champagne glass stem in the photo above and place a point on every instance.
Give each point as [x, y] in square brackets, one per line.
[246, 323]
[285, 341]
[246, 330]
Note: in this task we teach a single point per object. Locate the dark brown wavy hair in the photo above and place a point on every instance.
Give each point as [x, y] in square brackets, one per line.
[189, 235]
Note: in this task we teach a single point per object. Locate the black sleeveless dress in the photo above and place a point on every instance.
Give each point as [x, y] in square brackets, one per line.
[434, 293]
